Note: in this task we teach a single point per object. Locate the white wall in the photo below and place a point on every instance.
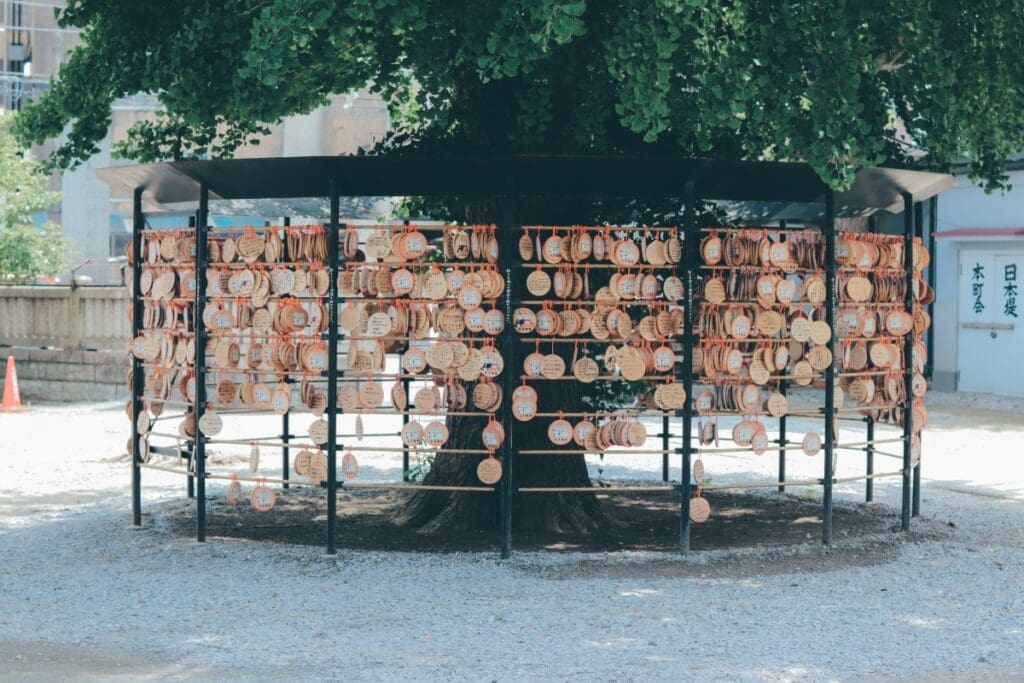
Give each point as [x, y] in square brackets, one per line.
[967, 207]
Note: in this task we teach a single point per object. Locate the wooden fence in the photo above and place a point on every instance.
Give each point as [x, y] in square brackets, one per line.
[66, 318]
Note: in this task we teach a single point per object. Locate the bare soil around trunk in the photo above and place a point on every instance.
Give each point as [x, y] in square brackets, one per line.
[646, 521]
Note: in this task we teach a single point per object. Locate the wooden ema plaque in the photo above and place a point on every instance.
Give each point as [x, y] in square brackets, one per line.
[489, 471]
[612, 309]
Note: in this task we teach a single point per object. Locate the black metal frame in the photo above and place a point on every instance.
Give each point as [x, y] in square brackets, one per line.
[688, 266]
[508, 345]
[686, 270]
[286, 427]
[333, 263]
[202, 258]
[829, 230]
[908, 362]
[138, 377]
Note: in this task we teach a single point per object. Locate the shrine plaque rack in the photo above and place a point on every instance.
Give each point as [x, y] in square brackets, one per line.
[783, 195]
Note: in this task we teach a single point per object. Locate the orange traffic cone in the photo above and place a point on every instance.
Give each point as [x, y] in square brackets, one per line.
[12, 400]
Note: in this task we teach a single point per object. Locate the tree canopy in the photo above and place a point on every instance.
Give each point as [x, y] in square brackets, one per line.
[838, 84]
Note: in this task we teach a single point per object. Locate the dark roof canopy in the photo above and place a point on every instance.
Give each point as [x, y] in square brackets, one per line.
[631, 176]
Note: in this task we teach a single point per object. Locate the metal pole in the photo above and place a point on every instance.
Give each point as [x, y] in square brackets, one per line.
[830, 371]
[190, 445]
[783, 440]
[915, 505]
[138, 376]
[782, 420]
[664, 447]
[690, 238]
[332, 375]
[869, 490]
[200, 337]
[509, 256]
[908, 350]
[869, 448]
[406, 474]
[286, 432]
[933, 218]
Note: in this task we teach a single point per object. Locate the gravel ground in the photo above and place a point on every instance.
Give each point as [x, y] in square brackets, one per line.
[82, 594]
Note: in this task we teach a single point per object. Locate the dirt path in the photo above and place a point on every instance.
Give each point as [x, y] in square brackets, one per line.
[84, 596]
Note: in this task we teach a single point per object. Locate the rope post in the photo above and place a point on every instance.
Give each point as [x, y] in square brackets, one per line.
[202, 260]
[509, 257]
[690, 238]
[830, 371]
[138, 377]
[332, 375]
[908, 357]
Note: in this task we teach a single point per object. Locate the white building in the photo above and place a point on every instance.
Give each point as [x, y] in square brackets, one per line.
[979, 252]
[100, 224]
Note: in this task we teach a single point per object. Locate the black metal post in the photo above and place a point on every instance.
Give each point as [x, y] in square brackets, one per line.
[190, 445]
[783, 442]
[138, 377]
[664, 447]
[332, 375]
[830, 371]
[908, 351]
[200, 336]
[933, 218]
[915, 503]
[509, 256]
[689, 263]
[869, 448]
[286, 431]
[869, 451]
[406, 474]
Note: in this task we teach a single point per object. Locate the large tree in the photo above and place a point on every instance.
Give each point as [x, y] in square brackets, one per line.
[838, 84]
[829, 83]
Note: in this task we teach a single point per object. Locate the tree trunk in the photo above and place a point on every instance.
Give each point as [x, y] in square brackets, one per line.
[436, 511]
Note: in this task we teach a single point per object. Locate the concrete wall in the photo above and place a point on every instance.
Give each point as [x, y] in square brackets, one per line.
[62, 375]
[67, 345]
[86, 318]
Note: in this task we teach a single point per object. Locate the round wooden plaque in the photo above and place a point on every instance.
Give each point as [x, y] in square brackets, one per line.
[811, 443]
[263, 498]
[700, 510]
[318, 432]
[489, 471]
